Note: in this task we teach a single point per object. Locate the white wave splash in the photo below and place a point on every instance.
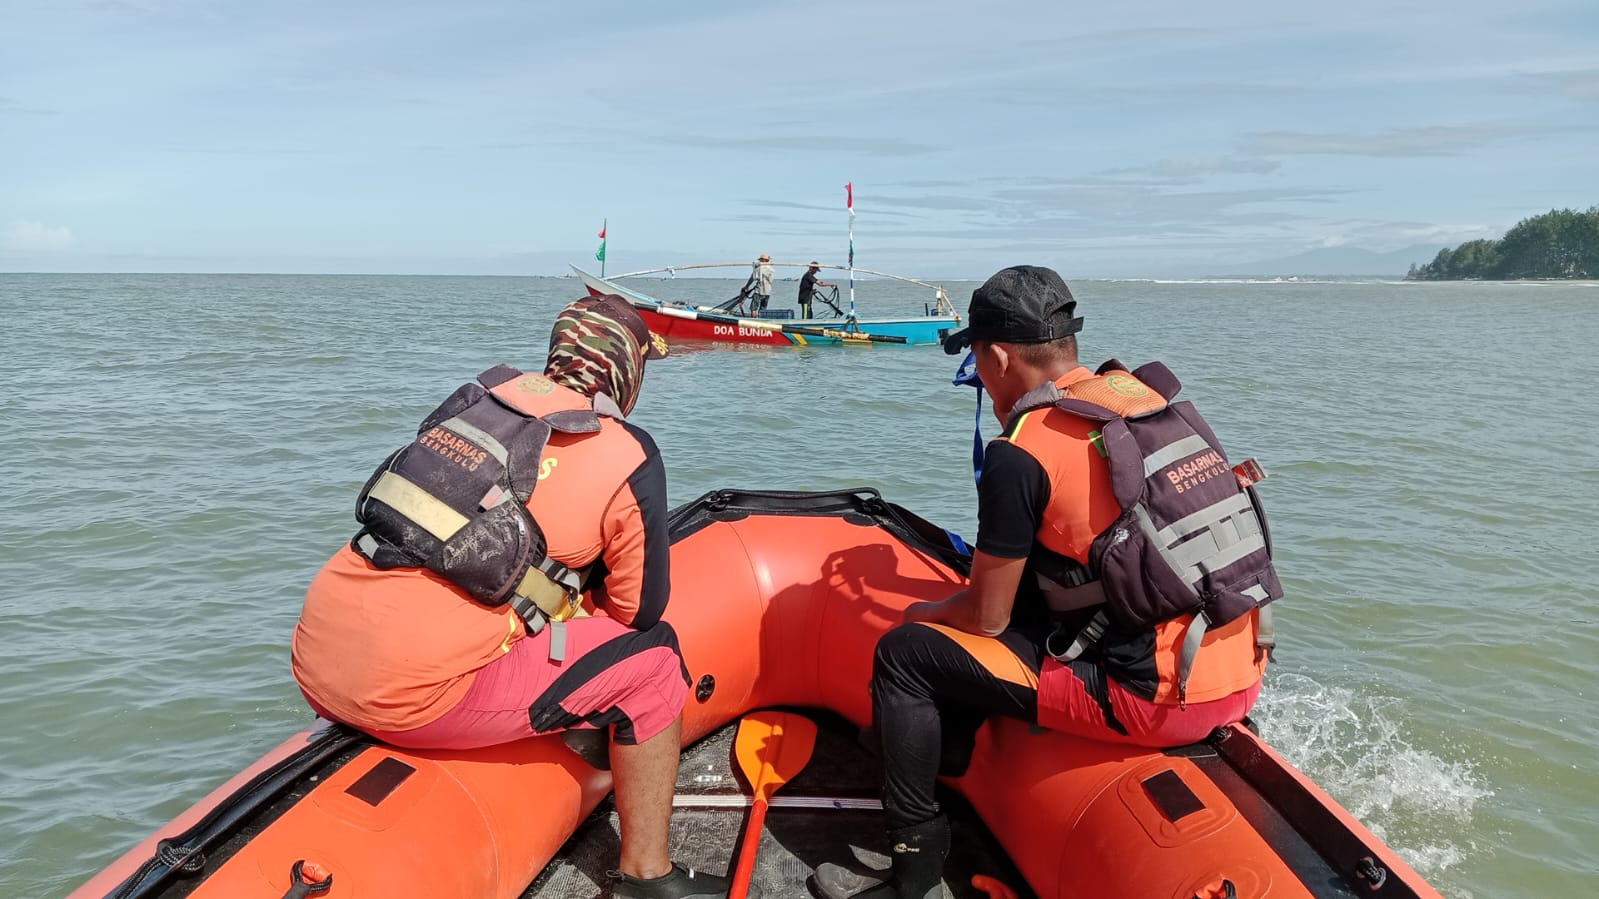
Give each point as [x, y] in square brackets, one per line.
[1353, 745]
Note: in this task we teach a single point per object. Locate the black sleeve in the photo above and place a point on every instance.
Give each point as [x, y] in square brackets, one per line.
[648, 483]
[1011, 497]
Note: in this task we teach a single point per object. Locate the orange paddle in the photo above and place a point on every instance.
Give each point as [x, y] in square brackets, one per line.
[771, 747]
[994, 888]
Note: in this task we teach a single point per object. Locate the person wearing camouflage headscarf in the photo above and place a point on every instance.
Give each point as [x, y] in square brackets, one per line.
[412, 659]
[597, 347]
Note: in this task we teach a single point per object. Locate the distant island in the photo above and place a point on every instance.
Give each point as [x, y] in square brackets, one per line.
[1562, 243]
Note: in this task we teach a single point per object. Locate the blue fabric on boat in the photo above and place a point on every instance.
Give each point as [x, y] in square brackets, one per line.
[964, 375]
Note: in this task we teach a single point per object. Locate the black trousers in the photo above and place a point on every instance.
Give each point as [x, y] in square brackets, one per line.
[932, 688]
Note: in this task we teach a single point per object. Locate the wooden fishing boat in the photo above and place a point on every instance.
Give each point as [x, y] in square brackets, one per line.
[679, 321]
[778, 601]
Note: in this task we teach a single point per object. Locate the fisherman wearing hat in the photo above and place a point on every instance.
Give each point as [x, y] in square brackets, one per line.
[808, 284]
[762, 278]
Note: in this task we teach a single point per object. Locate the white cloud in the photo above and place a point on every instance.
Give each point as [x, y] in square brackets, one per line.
[1434, 140]
[1581, 85]
[35, 237]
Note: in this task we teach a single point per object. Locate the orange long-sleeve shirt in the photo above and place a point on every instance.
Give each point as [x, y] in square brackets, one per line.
[395, 649]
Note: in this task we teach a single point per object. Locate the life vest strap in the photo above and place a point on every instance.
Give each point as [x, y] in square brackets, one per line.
[424, 509]
[1185, 661]
[1265, 631]
[536, 620]
[1061, 598]
[552, 596]
[547, 592]
[1088, 636]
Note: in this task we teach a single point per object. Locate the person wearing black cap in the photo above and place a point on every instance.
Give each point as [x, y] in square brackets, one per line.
[808, 284]
[1000, 646]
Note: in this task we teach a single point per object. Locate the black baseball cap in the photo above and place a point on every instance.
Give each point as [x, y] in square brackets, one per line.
[1020, 304]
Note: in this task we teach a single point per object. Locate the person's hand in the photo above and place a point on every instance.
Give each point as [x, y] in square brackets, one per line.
[923, 611]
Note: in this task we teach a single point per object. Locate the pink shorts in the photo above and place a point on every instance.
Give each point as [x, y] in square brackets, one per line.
[612, 675]
[1064, 704]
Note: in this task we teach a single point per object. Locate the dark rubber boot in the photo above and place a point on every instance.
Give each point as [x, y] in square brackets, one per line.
[918, 873]
[679, 883]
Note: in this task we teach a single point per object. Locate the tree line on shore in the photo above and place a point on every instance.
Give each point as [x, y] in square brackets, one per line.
[1562, 243]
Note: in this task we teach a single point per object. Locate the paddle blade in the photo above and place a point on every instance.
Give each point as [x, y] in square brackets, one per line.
[772, 747]
[993, 888]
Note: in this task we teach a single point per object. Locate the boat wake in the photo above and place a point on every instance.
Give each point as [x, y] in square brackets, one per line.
[1353, 744]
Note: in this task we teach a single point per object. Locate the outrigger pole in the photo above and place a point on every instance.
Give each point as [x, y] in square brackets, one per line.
[849, 203]
[941, 298]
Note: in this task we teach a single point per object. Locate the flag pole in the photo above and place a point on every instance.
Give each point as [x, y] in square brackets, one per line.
[849, 203]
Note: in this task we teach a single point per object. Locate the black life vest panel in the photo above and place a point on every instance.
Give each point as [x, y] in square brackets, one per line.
[454, 500]
[1191, 539]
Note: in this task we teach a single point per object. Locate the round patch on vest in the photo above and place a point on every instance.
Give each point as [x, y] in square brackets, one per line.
[535, 384]
[1126, 385]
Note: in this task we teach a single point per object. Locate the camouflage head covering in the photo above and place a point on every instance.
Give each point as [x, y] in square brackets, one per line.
[598, 346]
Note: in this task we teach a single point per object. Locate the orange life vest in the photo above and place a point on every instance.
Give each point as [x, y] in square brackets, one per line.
[1189, 554]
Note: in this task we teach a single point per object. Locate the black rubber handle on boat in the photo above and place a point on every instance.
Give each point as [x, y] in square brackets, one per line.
[158, 871]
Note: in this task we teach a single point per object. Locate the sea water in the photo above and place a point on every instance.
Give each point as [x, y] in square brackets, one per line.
[179, 454]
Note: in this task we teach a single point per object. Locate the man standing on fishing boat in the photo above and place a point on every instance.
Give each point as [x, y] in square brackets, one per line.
[1117, 590]
[761, 287]
[473, 610]
[807, 289]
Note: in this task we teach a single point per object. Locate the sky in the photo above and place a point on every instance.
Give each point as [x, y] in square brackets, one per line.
[1149, 138]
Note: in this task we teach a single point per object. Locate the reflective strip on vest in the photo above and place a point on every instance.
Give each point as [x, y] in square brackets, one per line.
[425, 510]
[1171, 452]
[480, 437]
[1217, 540]
[548, 591]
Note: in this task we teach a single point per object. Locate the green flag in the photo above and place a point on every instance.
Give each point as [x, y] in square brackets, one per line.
[600, 253]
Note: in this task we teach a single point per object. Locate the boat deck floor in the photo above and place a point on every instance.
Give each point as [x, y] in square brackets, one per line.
[795, 840]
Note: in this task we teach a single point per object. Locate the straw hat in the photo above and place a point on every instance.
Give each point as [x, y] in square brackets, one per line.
[765, 258]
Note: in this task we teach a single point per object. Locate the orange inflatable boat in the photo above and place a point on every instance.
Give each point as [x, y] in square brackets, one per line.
[778, 601]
